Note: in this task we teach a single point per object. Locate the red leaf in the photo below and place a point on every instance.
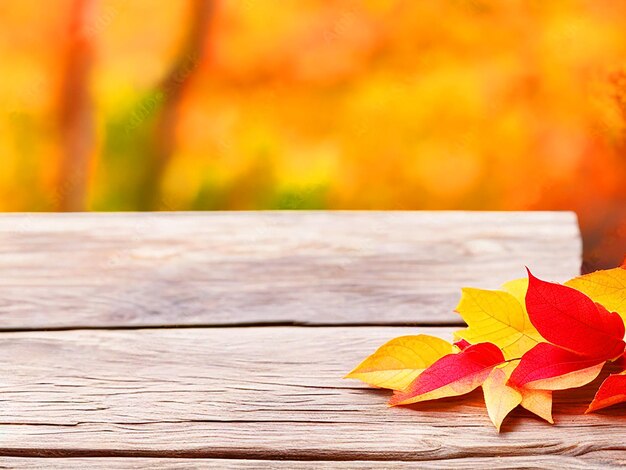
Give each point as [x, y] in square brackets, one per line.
[454, 374]
[611, 392]
[549, 367]
[462, 344]
[570, 319]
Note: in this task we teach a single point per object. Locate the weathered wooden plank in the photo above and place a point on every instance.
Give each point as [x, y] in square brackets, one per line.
[495, 463]
[256, 393]
[106, 270]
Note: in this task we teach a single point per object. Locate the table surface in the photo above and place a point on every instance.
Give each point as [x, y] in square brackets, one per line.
[180, 340]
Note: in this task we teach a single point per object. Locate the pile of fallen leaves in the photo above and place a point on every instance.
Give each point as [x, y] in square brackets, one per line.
[522, 343]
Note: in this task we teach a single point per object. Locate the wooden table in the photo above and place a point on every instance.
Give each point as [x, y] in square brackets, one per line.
[220, 340]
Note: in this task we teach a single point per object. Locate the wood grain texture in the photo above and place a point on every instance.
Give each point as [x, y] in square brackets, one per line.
[495, 463]
[262, 397]
[268, 393]
[125, 270]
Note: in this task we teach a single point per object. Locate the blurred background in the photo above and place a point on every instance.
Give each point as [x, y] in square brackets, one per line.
[111, 105]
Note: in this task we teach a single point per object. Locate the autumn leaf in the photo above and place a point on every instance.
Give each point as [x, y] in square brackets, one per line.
[452, 375]
[398, 362]
[570, 319]
[498, 317]
[607, 288]
[538, 402]
[462, 344]
[611, 392]
[522, 343]
[500, 399]
[565, 317]
[517, 288]
[550, 367]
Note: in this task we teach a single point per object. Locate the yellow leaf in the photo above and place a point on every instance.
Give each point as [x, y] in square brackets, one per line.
[398, 362]
[538, 402]
[499, 397]
[498, 317]
[517, 288]
[607, 287]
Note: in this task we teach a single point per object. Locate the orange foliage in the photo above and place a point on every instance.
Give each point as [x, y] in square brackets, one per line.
[380, 104]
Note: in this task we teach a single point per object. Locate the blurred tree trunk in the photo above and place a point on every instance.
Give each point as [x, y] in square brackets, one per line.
[172, 88]
[75, 111]
[603, 216]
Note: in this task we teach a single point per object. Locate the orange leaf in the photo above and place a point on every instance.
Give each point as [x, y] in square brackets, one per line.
[611, 392]
[452, 375]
